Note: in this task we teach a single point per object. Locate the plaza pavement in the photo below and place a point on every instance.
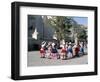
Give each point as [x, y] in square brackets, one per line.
[33, 59]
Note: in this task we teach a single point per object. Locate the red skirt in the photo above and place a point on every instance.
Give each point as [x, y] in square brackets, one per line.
[42, 50]
[77, 50]
[63, 51]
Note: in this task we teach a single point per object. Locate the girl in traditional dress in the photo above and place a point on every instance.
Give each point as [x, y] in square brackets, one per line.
[81, 52]
[70, 52]
[76, 50]
[74, 47]
[54, 51]
[49, 49]
[42, 50]
[85, 48]
[63, 52]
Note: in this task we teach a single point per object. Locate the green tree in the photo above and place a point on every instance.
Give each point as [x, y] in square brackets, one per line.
[62, 26]
[82, 35]
[66, 26]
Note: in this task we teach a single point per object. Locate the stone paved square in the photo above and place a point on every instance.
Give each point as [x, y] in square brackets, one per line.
[35, 60]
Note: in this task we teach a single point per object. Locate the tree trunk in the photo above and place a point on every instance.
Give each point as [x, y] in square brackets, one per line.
[76, 39]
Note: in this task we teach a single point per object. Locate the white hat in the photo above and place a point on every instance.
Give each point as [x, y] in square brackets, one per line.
[70, 43]
[53, 44]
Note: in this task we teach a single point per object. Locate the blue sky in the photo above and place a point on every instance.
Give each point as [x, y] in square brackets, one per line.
[81, 20]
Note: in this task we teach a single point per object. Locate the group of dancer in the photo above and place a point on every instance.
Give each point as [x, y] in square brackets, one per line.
[67, 50]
